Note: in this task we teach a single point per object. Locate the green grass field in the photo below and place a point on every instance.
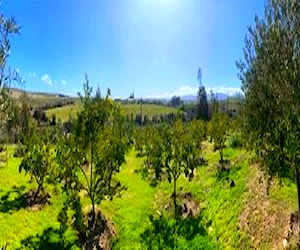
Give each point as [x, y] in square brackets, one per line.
[220, 207]
[65, 112]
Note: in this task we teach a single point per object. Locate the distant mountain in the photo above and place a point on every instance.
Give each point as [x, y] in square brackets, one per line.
[193, 98]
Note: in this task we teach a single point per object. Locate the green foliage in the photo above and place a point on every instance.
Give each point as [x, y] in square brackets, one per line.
[270, 73]
[39, 155]
[235, 141]
[202, 105]
[175, 101]
[172, 151]
[139, 139]
[218, 128]
[93, 152]
[270, 78]
[8, 27]
[167, 233]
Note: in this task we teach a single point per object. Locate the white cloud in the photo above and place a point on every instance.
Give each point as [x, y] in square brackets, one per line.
[188, 90]
[32, 74]
[46, 79]
[63, 82]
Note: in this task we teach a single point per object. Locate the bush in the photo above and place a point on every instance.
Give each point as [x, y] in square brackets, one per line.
[235, 141]
[19, 151]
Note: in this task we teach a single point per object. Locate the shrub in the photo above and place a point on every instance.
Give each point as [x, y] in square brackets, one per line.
[235, 141]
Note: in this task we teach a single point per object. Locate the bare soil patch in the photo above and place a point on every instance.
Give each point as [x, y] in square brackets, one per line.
[101, 233]
[36, 201]
[187, 205]
[265, 220]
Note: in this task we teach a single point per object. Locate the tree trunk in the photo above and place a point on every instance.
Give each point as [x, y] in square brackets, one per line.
[93, 212]
[174, 198]
[7, 151]
[221, 154]
[298, 192]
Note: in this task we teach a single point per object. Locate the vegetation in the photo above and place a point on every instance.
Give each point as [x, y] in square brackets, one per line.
[202, 105]
[38, 157]
[270, 78]
[91, 163]
[218, 128]
[92, 154]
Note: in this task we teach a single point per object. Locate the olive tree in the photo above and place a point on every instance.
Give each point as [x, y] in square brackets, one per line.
[270, 76]
[8, 28]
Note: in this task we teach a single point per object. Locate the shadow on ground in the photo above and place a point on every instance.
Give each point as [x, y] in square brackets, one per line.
[49, 239]
[167, 233]
[13, 200]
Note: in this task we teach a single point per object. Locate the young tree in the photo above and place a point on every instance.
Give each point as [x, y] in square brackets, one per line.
[218, 128]
[172, 152]
[93, 151]
[270, 75]
[39, 156]
[194, 153]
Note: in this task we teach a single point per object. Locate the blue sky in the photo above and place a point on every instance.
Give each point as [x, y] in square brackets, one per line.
[151, 47]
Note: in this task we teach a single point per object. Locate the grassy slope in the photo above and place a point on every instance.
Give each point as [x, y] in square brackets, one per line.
[221, 205]
[63, 113]
[147, 109]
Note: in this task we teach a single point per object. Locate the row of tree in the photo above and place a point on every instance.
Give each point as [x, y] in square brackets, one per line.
[174, 149]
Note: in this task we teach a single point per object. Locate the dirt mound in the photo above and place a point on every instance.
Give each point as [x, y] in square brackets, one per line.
[103, 231]
[187, 205]
[36, 201]
[291, 232]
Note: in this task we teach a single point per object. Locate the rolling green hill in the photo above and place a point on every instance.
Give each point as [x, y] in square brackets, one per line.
[63, 113]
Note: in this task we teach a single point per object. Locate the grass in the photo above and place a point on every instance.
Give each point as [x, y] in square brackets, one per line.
[18, 223]
[135, 212]
[147, 109]
[130, 212]
[63, 113]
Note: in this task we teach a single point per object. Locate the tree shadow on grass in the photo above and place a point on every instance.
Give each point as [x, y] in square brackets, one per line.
[13, 200]
[167, 233]
[49, 239]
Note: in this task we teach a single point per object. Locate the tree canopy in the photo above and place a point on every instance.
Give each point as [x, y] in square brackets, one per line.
[270, 75]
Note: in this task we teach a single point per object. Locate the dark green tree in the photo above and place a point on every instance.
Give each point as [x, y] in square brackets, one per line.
[270, 75]
[202, 105]
[175, 101]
